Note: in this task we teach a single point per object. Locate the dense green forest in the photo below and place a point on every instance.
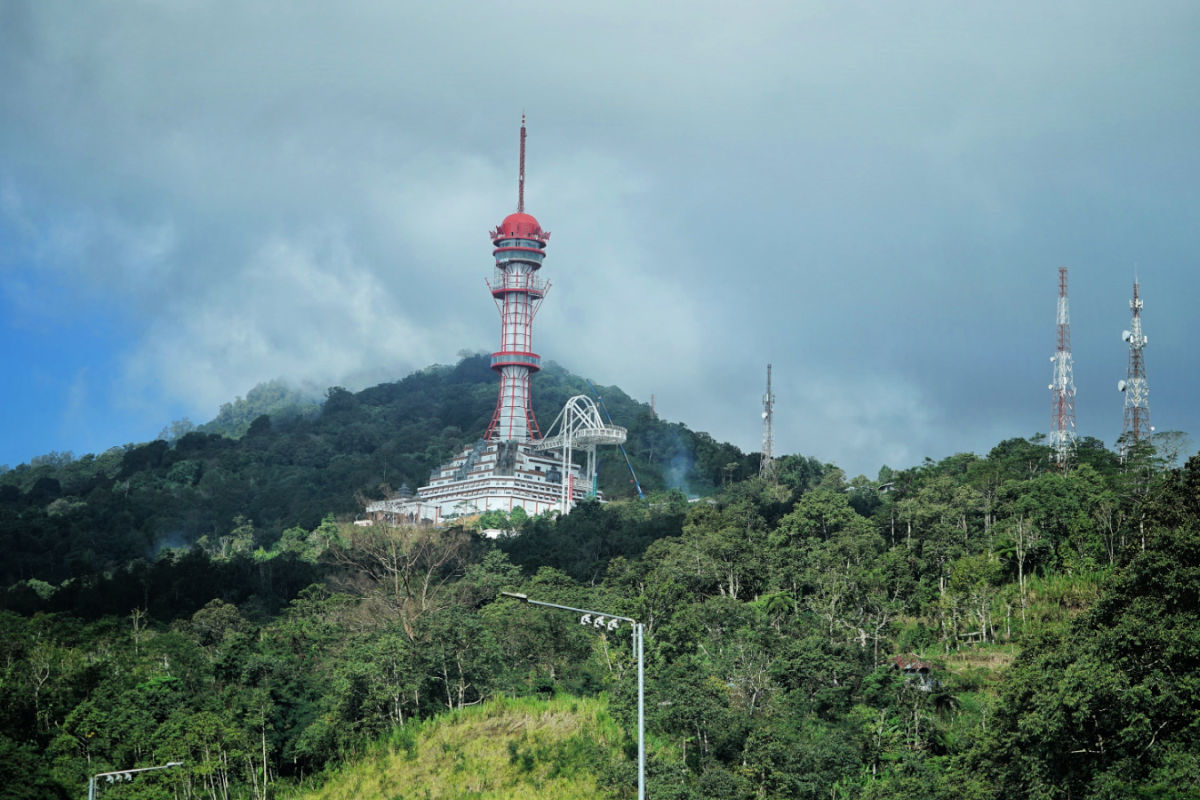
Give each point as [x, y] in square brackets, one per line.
[63, 517]
[985, 626]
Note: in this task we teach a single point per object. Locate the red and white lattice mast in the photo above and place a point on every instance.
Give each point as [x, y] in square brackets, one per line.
[520, 247]
[1062, 391]
[1136, 427]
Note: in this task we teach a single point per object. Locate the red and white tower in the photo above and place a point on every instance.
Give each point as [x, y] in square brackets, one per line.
[1062, 391]
[520, 247]
[513, 466]
[1137, 392]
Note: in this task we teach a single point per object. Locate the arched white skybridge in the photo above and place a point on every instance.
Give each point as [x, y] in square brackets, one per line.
[579, 427]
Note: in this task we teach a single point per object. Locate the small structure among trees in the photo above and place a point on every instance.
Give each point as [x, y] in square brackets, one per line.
[915, 671]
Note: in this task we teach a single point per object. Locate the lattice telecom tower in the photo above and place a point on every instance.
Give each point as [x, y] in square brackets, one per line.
[766, 464]
[1137, 391]
[1062, 391]
[520, 246]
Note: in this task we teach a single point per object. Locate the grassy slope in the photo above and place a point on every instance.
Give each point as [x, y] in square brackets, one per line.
[503, 750]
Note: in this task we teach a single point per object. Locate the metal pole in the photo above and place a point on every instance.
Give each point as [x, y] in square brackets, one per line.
[125, 773]
[525, 599]
[638, 649]
[638, 632]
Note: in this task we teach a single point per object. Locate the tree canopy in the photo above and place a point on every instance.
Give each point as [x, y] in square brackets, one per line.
[985, 626]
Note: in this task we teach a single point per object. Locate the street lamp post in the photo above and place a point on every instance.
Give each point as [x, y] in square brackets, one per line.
[601, 620]
[124, 775]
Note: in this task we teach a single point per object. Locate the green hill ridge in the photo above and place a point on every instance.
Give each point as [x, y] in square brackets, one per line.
[979, 628]
[63, 516]
[504, 749]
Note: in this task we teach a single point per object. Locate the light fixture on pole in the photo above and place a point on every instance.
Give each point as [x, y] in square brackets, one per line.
[610, 622]
[124, 775]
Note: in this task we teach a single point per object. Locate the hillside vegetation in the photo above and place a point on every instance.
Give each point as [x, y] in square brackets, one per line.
[985, 626]
[62, 516]
[506, 749]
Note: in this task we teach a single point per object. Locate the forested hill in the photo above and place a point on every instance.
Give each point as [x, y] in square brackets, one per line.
[63, 517]
[979, 628]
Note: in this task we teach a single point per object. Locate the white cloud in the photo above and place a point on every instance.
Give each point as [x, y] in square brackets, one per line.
[858, 421]
[307, 310]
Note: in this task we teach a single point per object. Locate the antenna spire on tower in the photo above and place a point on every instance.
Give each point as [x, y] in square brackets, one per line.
[521, 173]
[1062, 390]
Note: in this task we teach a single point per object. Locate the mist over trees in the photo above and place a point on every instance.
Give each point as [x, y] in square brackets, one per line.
[985, 626]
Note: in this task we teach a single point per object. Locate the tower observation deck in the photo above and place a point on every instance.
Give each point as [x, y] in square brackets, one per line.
[520, 247]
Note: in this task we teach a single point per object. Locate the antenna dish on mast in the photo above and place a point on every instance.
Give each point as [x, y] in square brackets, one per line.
[1124, 336]
[1121, 386]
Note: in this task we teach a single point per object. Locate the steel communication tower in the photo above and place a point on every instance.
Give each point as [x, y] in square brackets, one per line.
[766, 464]
[1062, 391]
[520, 247]
[1137, 392]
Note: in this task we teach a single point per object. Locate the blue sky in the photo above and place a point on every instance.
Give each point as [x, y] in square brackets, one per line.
[196, 197]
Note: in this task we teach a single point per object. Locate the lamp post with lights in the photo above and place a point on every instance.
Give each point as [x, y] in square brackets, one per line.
[605, 621]
[124, 775]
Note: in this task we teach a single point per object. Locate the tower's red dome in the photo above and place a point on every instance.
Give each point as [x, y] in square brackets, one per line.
[519, 226]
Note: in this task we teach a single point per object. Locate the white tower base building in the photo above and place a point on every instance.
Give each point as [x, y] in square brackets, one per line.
[488, 476]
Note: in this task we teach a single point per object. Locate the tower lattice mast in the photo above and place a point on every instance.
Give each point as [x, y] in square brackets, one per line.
[766, 464]
[1062, 390]
[520, 247]
[1137, 392]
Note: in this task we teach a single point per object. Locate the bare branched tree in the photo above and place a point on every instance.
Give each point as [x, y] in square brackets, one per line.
[407, 567]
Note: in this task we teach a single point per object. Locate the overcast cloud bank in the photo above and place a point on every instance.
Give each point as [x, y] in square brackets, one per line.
[196, 197]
